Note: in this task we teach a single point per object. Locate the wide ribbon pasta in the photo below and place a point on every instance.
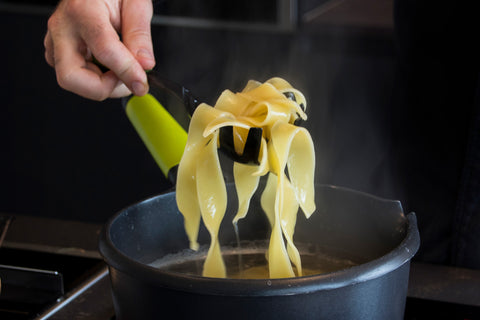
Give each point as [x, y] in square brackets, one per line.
[286, 155]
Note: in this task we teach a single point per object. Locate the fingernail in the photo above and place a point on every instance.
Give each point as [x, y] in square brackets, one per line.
[138, 88]
[146, 55]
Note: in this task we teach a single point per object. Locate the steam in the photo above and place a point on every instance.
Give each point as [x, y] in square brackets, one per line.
[347, 80]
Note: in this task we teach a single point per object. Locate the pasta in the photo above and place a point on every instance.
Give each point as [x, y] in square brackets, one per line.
[286, 157]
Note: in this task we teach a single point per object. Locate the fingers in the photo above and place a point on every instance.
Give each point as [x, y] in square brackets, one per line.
[77, 75]
[136, 30]
[77, 31]
[48, 43]
[120, 90]
[104, 43]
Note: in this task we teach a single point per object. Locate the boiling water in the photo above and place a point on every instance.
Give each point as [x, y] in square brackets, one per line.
[249, 261]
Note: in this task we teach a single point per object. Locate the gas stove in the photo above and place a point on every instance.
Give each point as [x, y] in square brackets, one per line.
[51, 269]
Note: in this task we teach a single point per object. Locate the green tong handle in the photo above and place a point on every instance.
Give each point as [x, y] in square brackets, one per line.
[159, 131]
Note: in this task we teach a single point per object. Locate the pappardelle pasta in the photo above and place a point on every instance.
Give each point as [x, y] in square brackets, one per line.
[287, 156]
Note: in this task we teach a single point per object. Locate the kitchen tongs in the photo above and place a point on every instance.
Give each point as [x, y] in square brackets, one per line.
[161, 119]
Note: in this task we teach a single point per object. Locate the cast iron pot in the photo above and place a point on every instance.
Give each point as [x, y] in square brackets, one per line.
[373, 231]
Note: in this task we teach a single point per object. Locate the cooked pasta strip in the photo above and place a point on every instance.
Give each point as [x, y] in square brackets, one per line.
[286, 205]
[186, 189]
[246, 183]
[212, 197]
[279, 265]
[263, 167]
[267, 200]
[288, 218]
[294, 147]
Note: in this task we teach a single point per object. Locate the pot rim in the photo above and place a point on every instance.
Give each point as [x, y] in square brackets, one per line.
[370, 270]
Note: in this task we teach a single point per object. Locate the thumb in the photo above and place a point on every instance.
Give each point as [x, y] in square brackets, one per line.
[136, 30]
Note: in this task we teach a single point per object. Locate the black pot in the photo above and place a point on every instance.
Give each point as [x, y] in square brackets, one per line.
[372, 231]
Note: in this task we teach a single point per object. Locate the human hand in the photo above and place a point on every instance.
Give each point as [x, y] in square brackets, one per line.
[79, 30]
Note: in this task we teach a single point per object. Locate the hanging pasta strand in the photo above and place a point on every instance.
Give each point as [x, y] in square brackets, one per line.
[212, 197]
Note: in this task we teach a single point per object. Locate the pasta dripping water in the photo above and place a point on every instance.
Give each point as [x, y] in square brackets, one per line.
[201, 191]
